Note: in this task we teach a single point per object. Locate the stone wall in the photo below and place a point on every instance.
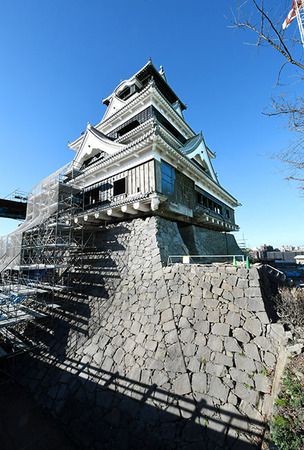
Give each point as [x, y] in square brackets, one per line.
[148, 356]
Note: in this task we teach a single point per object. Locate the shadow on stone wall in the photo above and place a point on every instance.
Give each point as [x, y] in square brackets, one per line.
[269, 289]
[79, 307]
[140, 321]
[153, 418]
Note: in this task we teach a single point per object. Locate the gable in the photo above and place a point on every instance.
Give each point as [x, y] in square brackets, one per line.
[196, 150]
[115, 104]
[95, 143]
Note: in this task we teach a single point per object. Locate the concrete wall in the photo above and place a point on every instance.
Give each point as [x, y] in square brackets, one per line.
[148, 356]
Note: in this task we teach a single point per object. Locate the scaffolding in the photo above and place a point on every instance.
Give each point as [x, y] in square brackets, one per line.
[37, 260]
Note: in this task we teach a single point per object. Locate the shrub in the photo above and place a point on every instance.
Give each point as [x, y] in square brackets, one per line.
[287, 427]
[289, 304]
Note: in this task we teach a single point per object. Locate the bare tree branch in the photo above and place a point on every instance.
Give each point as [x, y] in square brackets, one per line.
[281, 47]
[267, 32]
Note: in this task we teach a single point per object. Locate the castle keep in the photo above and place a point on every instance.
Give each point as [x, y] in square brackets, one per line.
[144, 157]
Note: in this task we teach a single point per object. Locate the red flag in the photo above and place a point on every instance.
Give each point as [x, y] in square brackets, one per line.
[296, 4]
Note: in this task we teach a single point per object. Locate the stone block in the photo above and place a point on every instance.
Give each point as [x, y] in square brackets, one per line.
[135, 327]
[244, 363]
[241, 376]
[241, 303]
[233, 318]
[253, 326]
[241, 335]
[251, 412]
[254, 283]
[187, 335]
[91, 349]
[220, 358]
[251, 351]
[107, 364]
[269, 359]
[227, 295]
[161, 293]
[218, 370]
[200, 314]
[151, 345]
[217, 291]
[205, 285]
[232, 307]
[139, 351]
[203, 353]
[189, 349]
[238, 293]
[255, 304]
[182, 385]
[232, 279]
[253, 292]
[188, 312]
[129, 345]
[199, 383]
[207, 294]
[186, 300]
[262, 383]
[211, 303]
[118, 356]
[277, 332]
[244, 392]
[166, 315]
[196, 292]
[242, 272]
[202, 326]
[263, 317]
[184, 289]
[196, 302]
[159, 378]
[218, 390]
[169, 326]
[242, 283]
[214, 316]
[232, 399]
[230, 269]
[194, 365]
[215, 343]
[226, 286]
[220, 329]
[154, 364]
[184, 323]
[231, 345]
[253, 274]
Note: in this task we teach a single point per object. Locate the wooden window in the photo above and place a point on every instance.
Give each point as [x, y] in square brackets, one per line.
[127, 128]
[168, 178]
[119, 187]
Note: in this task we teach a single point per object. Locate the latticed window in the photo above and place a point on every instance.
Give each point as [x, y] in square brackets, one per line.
[168, 178]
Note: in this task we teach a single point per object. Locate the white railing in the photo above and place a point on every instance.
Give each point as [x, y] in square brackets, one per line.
[277, 271]
[195, 259]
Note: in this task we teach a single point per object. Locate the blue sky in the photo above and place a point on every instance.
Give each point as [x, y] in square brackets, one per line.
[60, 58]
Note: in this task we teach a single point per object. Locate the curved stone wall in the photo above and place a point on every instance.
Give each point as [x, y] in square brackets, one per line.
[149, 356]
